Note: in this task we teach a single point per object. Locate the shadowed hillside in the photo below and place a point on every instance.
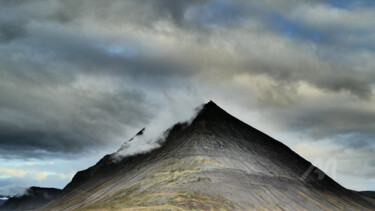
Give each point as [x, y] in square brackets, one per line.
[216, 162]
[32, 199]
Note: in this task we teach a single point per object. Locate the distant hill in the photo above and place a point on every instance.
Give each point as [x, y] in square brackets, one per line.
[369, 195]
[3, 199]
[216, 162]
[32, 199]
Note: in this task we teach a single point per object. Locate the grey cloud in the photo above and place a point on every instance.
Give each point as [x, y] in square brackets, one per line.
[349, 127]
[12, 30]
[8, 186]
[364, 167]
[75, 47]
[142, 12]
[54, 56]
[14, 186]
[325, 76]
[35, 117]
[337, 118]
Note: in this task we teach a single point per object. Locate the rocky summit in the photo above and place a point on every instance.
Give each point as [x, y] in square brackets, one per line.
[214, 162]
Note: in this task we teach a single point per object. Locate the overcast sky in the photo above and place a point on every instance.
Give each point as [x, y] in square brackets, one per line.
[80, 77]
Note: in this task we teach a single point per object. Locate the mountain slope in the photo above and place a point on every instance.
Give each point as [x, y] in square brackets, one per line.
[32, 199]
[216, 162]
[3, 199]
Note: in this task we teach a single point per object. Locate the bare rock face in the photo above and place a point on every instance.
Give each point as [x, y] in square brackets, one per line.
[32, 199]
[216, 162]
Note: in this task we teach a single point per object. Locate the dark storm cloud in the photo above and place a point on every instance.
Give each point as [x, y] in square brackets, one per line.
[75, 47]
[11, 30]
[37, 117]
[142, 11]
[53, 54]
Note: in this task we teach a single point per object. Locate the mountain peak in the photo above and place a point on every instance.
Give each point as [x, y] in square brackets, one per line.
[216, 162]
[210, 106]
[212, 112]
[211, 103]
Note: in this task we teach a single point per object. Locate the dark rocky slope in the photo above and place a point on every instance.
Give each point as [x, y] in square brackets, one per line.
[216, 162]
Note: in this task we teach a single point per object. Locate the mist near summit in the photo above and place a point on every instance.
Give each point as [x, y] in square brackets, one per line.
[154, 135]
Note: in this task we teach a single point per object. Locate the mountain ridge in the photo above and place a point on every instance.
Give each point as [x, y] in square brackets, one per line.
[216, 161]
